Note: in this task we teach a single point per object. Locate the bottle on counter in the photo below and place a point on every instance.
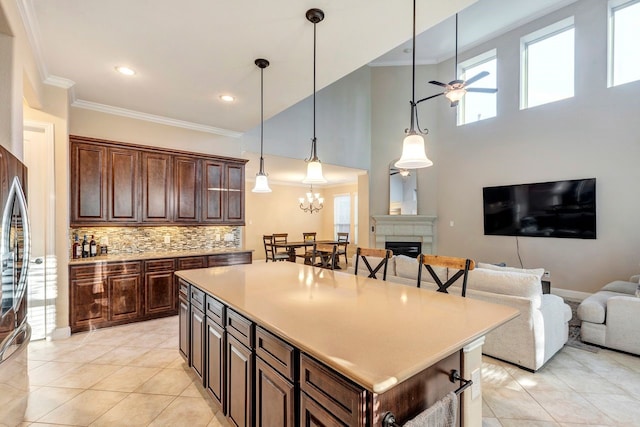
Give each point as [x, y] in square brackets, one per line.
[93, 248]
[76, 252]
[85, 247]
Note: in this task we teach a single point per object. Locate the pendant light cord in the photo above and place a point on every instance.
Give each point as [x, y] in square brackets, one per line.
[314, 153]
[455, 64]
[413, 74]
[261, 120]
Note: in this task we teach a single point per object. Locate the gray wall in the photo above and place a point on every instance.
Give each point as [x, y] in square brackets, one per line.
[594, 134]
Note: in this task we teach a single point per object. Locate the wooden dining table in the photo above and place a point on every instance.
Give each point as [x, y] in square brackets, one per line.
[292, 246]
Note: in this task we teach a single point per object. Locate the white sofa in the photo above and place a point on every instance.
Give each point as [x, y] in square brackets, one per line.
[530, 339]
[611, 316]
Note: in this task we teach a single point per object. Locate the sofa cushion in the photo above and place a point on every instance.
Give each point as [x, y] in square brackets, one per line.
[594, 308]
[505, 283]
[407, 268]
[621, 287]
[535, 271]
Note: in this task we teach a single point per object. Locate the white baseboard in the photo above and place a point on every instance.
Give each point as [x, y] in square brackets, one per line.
[569, 294]
[60, 334]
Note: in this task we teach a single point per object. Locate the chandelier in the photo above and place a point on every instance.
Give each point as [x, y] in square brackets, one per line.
[312, 203]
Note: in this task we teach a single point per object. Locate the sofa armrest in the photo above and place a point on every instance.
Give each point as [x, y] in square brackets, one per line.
[623, 323]
[635, 279]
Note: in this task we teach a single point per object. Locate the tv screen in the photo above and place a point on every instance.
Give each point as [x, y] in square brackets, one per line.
[545, 209]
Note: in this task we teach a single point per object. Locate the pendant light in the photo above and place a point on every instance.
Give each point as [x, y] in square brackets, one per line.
[262, 184]
[314, 167]
[413, 151]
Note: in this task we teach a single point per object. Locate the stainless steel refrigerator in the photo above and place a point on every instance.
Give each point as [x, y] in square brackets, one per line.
[14, 263]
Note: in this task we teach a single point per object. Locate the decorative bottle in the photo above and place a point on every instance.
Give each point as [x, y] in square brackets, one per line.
[85, 247]
[93, 248]
[77, 249]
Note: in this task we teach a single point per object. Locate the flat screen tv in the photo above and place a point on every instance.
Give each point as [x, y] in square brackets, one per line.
[544, 209]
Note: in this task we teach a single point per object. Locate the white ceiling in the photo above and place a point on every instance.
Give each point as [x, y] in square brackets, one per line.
[187, 53]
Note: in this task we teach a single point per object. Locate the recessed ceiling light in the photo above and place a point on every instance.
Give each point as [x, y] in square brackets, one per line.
[227, 98]
[125, 70]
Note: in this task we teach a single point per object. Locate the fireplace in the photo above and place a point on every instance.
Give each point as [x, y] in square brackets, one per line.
[413, 229]
[410, 249]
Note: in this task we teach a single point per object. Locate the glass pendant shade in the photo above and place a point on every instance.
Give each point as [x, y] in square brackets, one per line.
[262, 184]
[314, 173]
[413, 153]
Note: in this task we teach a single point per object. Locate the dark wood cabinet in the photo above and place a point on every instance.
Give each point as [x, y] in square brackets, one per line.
[88, 183]
[275, 398]
[215, 362]
[123, 185]
[314, 415]
[197, 341]
[156, 187]
[124, 297]
[234, 209]
[186, 188]
[239, 383]
[159, 285]
[218, 260]
[184, 320]
[89, 300]
[132, 184]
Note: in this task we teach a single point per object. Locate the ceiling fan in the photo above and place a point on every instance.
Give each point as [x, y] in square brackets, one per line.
[403, 172]
[455, 89]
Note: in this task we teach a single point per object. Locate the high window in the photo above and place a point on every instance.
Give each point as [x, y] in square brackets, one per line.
[624, 33]
[547, 69]
[478, 106]
[341, 214]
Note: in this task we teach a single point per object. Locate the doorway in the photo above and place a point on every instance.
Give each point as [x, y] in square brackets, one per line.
[42, 277]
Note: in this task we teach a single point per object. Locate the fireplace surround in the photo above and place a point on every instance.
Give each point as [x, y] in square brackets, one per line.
[405, 228]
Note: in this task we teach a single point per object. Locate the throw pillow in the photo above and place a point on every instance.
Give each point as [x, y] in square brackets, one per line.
[535, 271]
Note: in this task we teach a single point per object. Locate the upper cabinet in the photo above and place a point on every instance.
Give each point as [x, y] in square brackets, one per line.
[132, 185]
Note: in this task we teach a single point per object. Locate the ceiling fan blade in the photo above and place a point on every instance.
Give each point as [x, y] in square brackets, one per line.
[432, 96]
[477, 77]
[433, 82]
[393, 173]
[481, 90]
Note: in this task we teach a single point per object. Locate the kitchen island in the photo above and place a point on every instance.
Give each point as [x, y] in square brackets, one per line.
[323, 347]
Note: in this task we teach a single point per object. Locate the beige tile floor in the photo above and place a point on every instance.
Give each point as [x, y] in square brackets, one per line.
[133, 376]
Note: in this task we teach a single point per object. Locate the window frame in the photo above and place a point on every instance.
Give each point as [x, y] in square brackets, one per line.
[614, 6]
[475, 61]
[535, 37]
[335, 225]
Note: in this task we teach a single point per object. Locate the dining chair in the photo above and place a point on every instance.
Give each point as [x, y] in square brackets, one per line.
[343, 242]
[308, 253]
[384, 254]
[280, 253]
[326, 253]
[463, 265]
[269, 253]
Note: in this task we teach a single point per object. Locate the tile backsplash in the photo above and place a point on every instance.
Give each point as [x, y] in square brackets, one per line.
[131, 240]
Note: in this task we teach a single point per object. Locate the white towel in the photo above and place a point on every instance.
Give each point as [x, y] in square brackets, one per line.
[443, 413]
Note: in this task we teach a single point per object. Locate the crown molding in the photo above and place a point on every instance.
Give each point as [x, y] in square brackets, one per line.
[31, 27]
[123, 112]
[59, 82]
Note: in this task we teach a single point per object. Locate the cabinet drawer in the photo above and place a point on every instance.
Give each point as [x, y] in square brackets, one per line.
[220, 260]
[159, 265]
[339, 396]
[275, 352]
[191, 262]
[123, 268]
[215, 310]
[85, 271]
[183, 290]
[239, 327]
[197, 298]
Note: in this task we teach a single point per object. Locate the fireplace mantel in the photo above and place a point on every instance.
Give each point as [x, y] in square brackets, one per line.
[405, 228]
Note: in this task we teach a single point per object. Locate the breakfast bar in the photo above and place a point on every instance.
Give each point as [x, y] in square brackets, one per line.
[309, 346]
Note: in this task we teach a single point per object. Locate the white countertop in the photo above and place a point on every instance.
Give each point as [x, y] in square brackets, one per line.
[375, 333]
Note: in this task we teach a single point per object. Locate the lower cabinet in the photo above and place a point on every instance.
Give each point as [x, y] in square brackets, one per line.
[275, 397]
[197, 341]
[159, 292]
[89, 301]
[239, 383]
[124, 297]
[314, 415]
[184, 320]
[215, 362]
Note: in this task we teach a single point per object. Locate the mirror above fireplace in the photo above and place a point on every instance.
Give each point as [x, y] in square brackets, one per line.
[403, 191]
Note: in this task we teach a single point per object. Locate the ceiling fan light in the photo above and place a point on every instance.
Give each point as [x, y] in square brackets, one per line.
[455, 95]
[314, 173]
[262, 184]
[404, 172]
[414, 155]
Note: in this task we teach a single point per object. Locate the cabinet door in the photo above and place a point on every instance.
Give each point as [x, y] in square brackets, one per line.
[124, 297]
[183, 318]
[274, 397]
[239, 383]
[215, 355]
[234, 212]
[159, 294]
[197, 339]
[88, 183]
[314, 415]
[186, 189]
[123, 183]
[88, 302]
[156, 187]
[213, 191]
